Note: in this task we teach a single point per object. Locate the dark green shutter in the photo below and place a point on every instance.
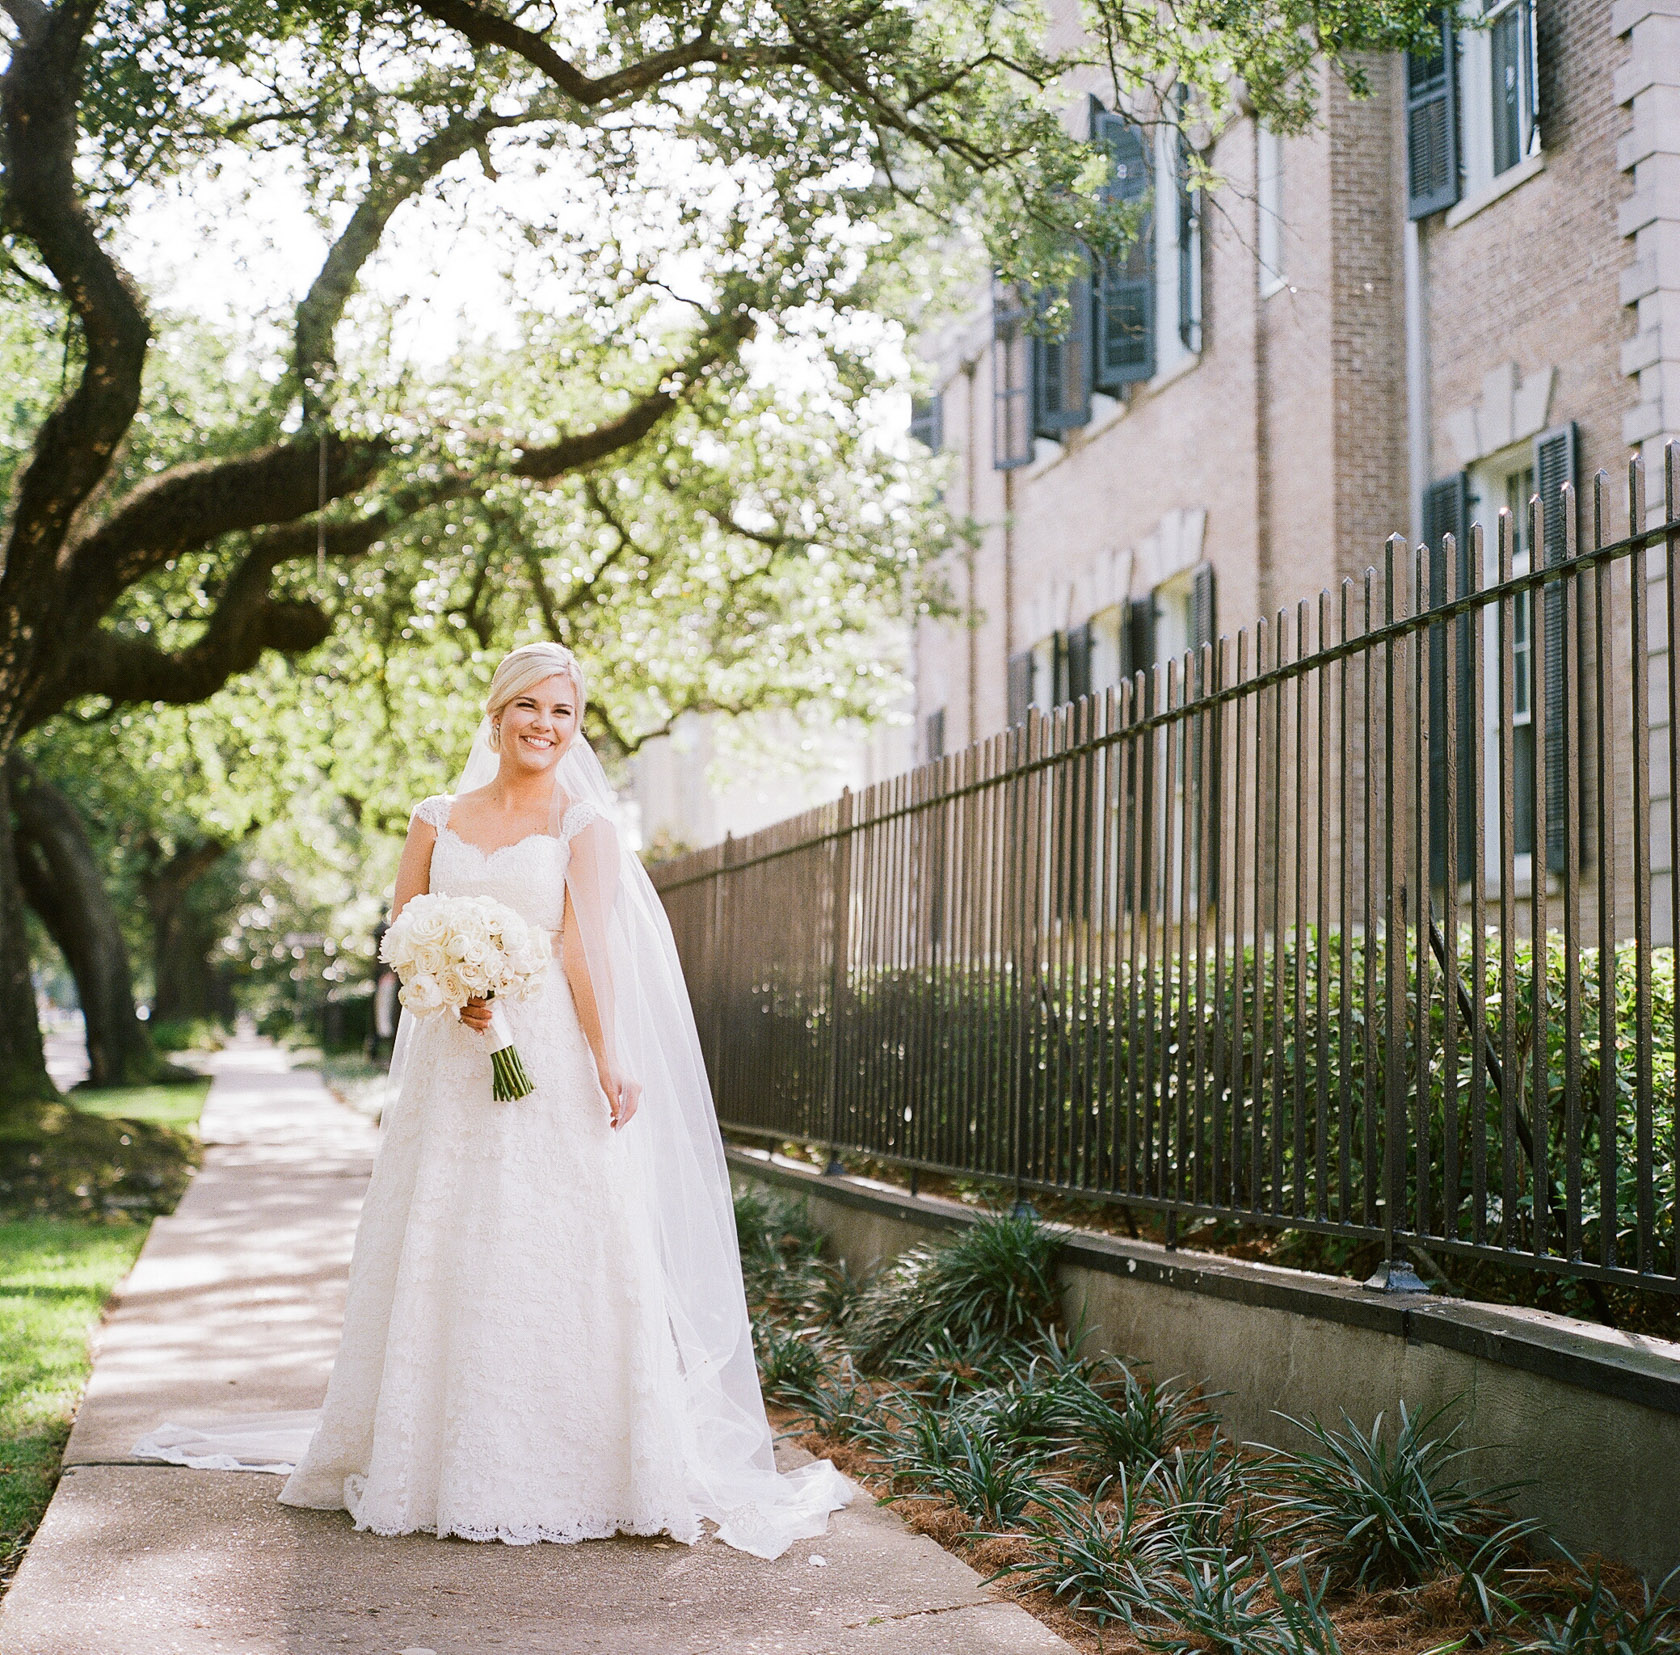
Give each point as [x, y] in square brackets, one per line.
[1554, 465]
[927, 421]
[1124, 309]
[1432, 125]
[1062, 368]
[933, 736]
[1201, 607]
[1020, 686]
[1446, 510]
[1079, 662]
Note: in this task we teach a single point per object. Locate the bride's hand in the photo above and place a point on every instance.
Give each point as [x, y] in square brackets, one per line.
[624, 1096]
[476, 1014]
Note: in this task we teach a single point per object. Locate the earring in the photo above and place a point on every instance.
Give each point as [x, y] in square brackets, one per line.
[495, 737]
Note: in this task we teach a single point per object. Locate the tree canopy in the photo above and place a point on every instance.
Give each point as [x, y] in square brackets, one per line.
[660, 439]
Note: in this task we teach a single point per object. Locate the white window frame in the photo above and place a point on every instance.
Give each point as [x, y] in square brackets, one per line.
[1268, 189]
[1476, 93]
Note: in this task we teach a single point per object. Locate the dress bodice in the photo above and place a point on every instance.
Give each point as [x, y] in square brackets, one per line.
[529, 875]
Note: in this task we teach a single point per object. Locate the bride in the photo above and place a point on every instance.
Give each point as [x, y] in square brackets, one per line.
[546, 1336]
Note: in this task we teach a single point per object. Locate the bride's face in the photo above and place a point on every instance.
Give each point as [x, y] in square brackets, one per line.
[537, 725]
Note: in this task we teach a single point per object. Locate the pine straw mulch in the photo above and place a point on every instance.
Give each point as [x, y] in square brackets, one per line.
[1413, 1621]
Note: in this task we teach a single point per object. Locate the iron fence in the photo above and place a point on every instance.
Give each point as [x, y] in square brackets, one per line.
[1307, 928]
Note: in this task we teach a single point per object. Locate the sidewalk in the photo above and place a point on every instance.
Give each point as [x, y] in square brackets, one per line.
[233, 1308]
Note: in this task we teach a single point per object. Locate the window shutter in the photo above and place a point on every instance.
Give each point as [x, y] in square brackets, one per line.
[1554, 465]
[927, 421]
[1432, 125]
[1201, 607]
[1062, 368]
[1020, 686]
[1138, 636]
[933, 736]
[1446, 510]
[1079, 662]
[1012, 438]
[1125, 288]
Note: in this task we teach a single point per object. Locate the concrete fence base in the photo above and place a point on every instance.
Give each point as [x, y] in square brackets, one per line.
[1585, 1418]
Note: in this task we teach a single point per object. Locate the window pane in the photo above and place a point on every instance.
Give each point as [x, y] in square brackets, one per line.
[1509, 66]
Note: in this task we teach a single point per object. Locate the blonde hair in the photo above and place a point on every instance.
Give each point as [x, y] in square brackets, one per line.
[521, 668]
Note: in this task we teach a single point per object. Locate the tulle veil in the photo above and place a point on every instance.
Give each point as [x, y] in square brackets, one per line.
[674, 1138]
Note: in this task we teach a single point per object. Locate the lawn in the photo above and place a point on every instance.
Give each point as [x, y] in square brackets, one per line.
[56, 1275]
[178, 1106]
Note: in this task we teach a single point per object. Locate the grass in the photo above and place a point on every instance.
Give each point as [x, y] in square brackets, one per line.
[178, 1105]
[1114, 1507]
[104, 1164]
[55, 1276]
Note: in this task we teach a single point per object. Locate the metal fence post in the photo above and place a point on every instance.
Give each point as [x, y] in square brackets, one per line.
[839, 944]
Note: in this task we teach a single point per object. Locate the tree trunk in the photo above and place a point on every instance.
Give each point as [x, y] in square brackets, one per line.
[181, 942]
[63, 883]
[23, 1065]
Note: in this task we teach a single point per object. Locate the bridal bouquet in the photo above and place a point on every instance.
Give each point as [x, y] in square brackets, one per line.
[451, 949]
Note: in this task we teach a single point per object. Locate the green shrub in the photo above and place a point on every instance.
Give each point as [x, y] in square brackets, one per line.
[187, 1034]
[995, 1281]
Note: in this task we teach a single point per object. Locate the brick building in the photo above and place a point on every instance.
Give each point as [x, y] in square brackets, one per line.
[1460, 290]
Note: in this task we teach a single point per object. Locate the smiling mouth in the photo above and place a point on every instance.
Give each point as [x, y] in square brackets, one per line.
[542, 742]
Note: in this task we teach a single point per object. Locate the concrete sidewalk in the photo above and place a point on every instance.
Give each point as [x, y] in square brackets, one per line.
[234, 1308]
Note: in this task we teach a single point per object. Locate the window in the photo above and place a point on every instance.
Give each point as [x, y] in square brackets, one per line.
[1473, 103]
[933, 736]
[1126, 287]
[1012, 437]
[1269, 190]
[1512, 90]
[1061, 362]
[1519, 487]
[927, 421]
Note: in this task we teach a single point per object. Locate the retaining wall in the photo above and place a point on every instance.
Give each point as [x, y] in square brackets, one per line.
[1587, 1418]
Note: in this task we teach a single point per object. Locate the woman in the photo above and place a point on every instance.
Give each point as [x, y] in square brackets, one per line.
[546, 1335]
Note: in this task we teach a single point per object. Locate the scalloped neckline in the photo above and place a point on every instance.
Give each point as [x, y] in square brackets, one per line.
[491, 855]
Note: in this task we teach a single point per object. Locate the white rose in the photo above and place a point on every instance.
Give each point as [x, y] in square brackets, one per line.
[422, 995]
[426, 927]
[455, 992]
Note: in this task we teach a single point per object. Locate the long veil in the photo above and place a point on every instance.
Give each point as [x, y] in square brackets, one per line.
[678, 1154]
[633, 963]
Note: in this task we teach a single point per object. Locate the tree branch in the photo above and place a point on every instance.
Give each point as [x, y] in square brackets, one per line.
[247, 621]
[192, 504]
[73, 448]
[398, 181]
[486, 28]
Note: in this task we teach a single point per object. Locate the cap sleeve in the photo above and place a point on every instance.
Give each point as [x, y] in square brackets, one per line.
[578, 817]
[434, 812]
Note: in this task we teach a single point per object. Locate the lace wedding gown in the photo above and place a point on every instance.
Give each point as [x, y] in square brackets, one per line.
[507, 1370]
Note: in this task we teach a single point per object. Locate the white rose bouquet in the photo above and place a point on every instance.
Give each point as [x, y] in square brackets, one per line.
[451, 949]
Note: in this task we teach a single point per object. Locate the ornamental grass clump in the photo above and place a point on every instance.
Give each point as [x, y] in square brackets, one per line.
[992, 1481]
[1103, 1556]
[995, 1282]
[1386, 1510]
[791, 1361]
[1601, 1622]
[1226, 1603]
[1123, 1423]
[1211, 1494]
[781, 1248]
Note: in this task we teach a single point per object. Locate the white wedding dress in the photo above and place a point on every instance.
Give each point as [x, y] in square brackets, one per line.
[505, 1371]
[545, 1336]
